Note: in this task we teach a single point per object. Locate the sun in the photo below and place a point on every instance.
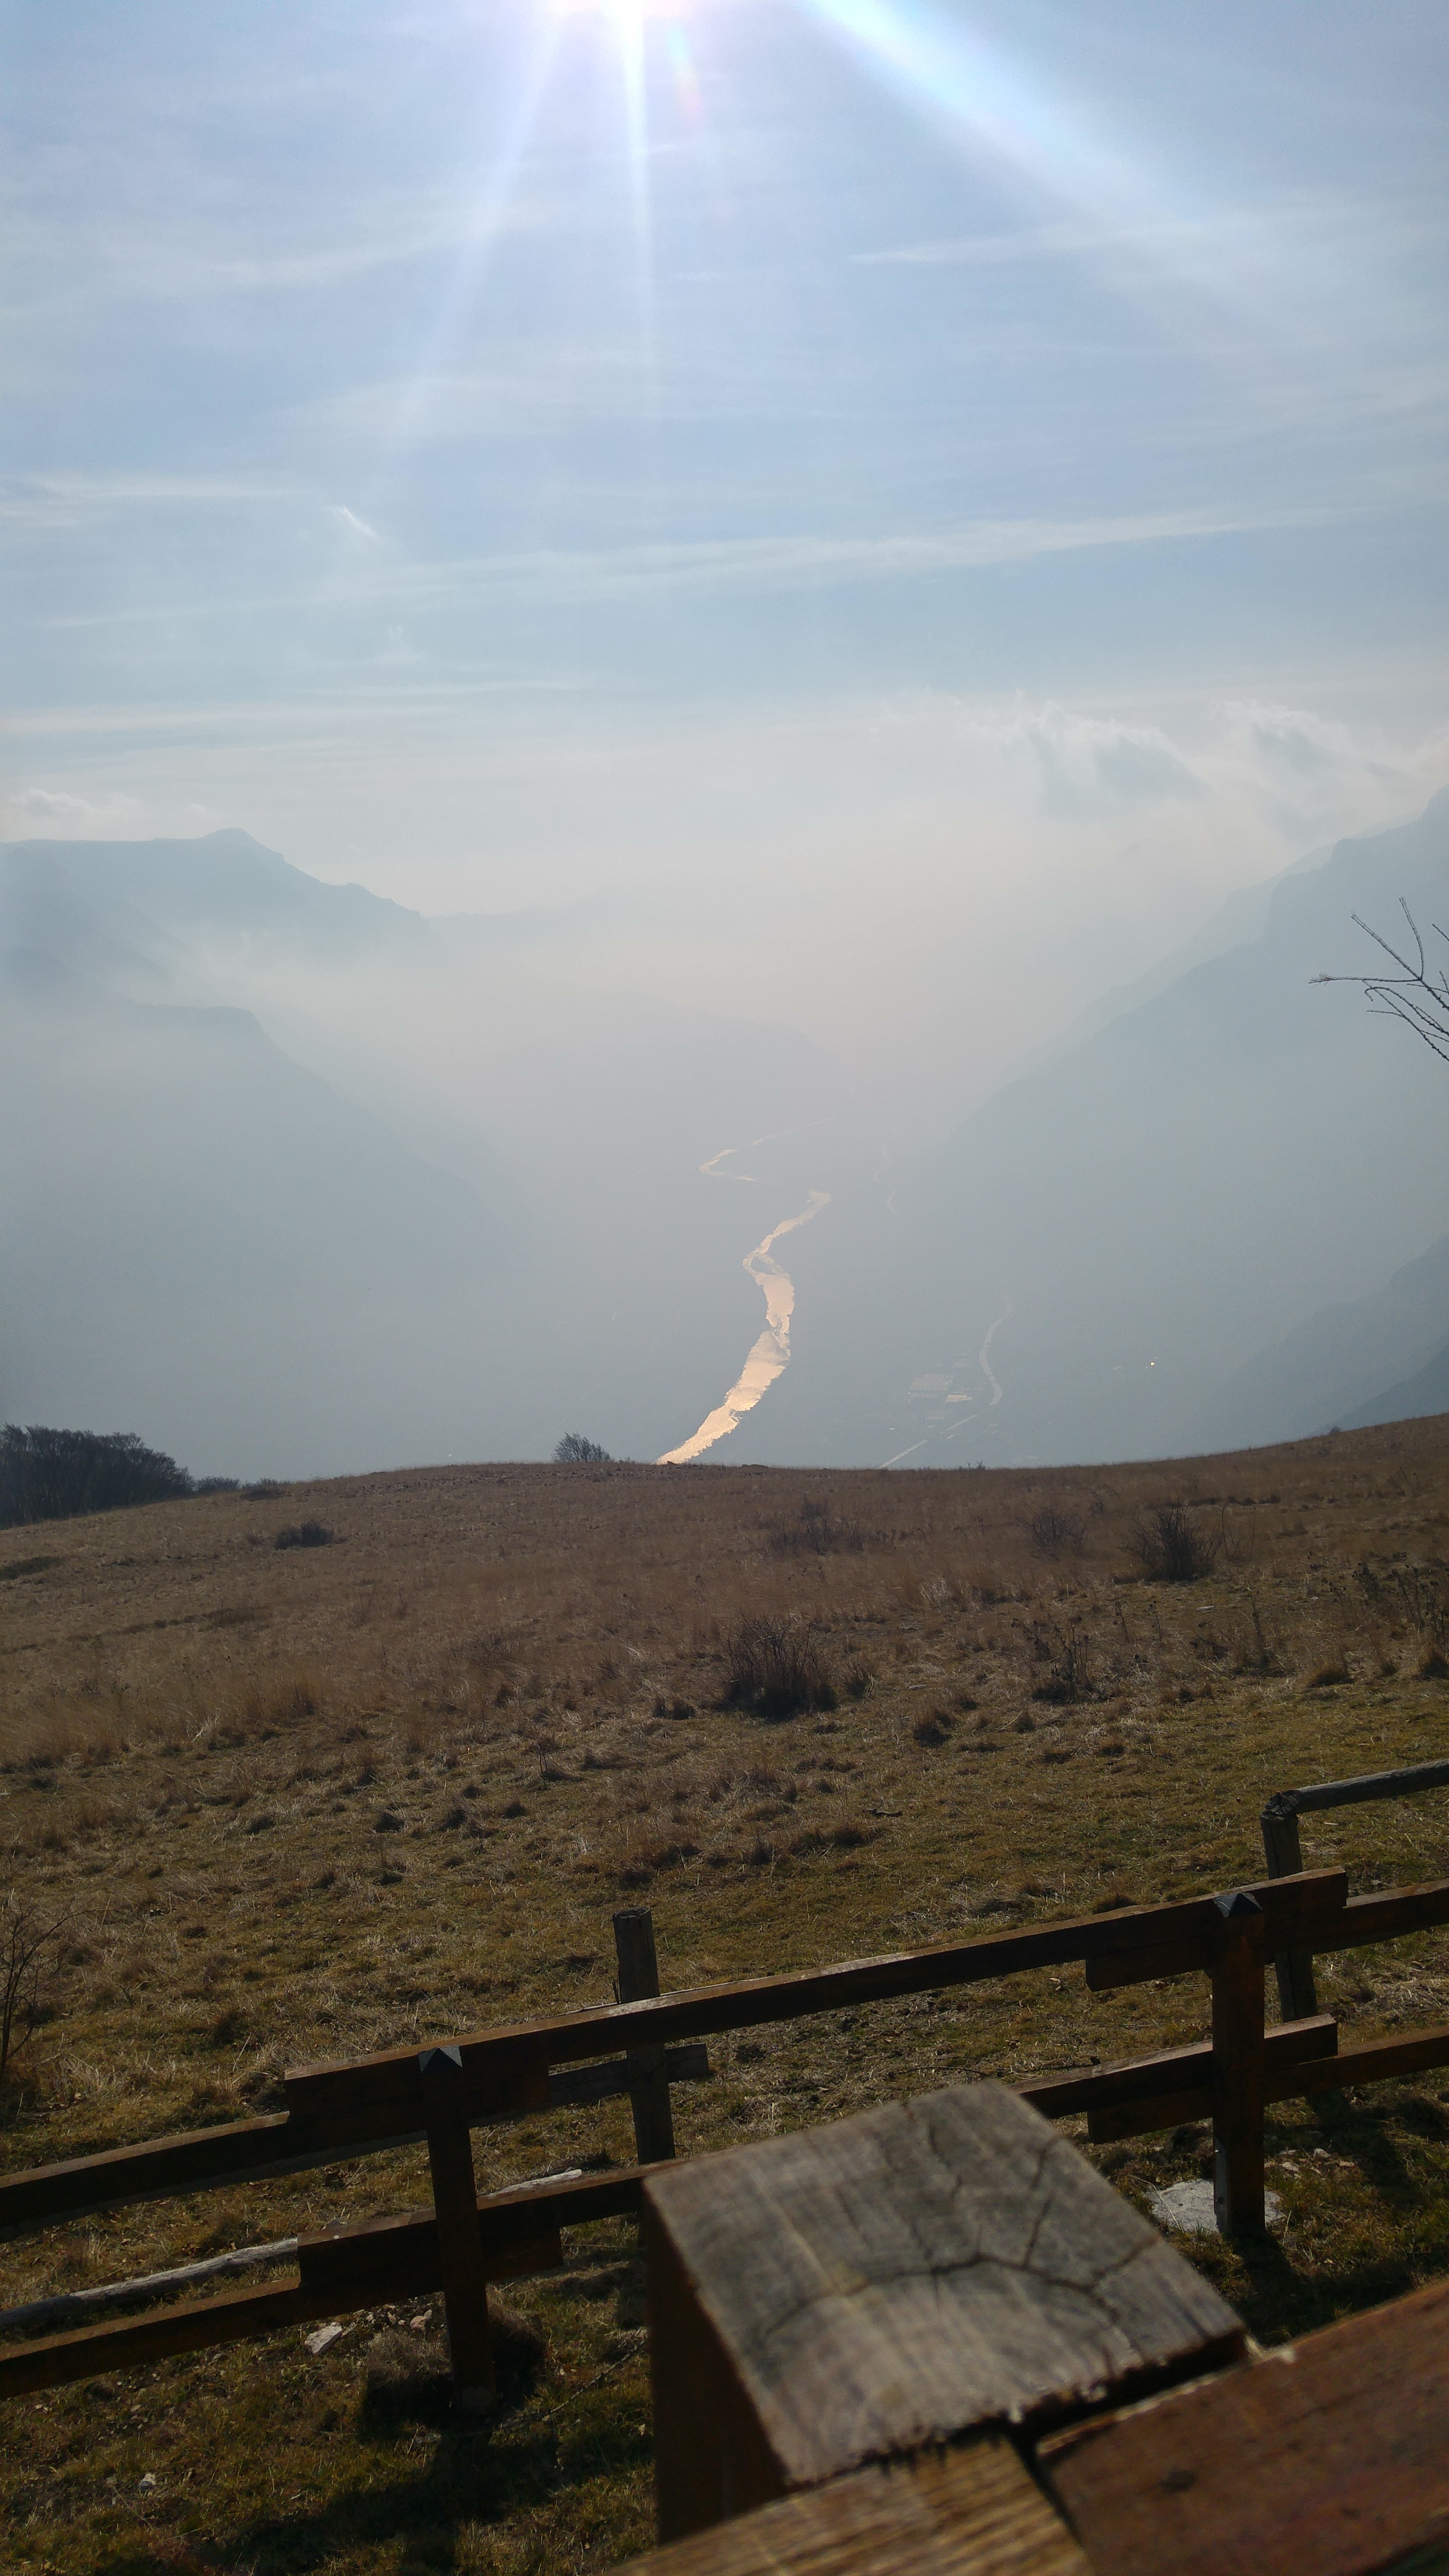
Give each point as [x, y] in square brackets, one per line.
[627, 17]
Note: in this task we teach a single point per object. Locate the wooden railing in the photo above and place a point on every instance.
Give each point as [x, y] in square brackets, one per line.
[1297, 1993]
[361, 2107]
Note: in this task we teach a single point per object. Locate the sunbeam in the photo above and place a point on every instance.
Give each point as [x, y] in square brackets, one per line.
[1140, 223]
[487, 222]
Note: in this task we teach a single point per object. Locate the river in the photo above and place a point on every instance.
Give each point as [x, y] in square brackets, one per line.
[769, 1356]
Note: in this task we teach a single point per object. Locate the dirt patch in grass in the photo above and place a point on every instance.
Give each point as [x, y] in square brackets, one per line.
[528, 1675]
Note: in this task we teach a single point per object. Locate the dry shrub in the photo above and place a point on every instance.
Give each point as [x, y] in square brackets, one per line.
[1054, 1532]
[29, 1950]
[1253, 1653]
[1069, 1672]
[776, 1668]
[816, 1532]
[304, 1534]
[280, 1702]
[1169, 1545]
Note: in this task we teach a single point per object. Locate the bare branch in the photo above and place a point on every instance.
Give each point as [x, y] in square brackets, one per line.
[1415, 995]
[24, 1942]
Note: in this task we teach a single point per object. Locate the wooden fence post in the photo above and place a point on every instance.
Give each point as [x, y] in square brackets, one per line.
[1238, 1971]
[1297, 1994]
[455, 2199]
[648, 2083]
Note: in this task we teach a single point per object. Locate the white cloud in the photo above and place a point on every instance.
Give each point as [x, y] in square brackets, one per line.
[354, 526]
[47, 813]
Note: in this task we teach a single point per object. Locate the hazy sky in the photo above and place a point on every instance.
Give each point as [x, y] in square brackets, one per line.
[899, 475]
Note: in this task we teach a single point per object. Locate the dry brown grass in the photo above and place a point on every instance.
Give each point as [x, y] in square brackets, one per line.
[295, 1803]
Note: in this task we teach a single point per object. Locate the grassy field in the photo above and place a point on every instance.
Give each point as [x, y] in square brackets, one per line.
[288, 1803]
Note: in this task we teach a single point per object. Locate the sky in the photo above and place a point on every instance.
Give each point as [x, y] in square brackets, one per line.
[921, 499]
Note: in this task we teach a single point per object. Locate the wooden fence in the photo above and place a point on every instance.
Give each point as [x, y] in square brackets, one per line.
[1297, 1993]
[404, 2097]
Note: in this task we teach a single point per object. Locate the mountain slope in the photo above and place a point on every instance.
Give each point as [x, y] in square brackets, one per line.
[1179, 1189]
[1339, 1362]
[199, 1239]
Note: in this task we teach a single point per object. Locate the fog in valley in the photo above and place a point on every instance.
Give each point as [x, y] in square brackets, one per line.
[309, 1182]
[687, 714]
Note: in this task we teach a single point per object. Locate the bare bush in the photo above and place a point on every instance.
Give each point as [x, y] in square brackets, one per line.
[305, 1534]
[1169, 1545]
[816, 1532]
[1055, 1533]
[27, 1952]
[776, 1668]
[1069, 1673]
[575, 1451]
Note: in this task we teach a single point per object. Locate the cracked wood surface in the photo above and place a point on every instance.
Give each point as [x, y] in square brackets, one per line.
[1331, 2455]
[896, 2279]
[970, 2512]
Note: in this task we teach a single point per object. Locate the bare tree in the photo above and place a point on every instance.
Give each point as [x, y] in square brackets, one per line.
[1414, 995]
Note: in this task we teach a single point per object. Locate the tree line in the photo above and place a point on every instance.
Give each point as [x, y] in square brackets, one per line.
[48, 1475]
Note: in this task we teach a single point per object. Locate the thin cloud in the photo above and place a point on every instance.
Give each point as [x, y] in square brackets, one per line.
[738, 564]
[349, 520]
[41, 495]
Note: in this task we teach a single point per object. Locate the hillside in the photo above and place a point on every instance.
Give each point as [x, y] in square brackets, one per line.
[197, 1234]
[293, 1803]
[1185, 1186]
[1350, 1364]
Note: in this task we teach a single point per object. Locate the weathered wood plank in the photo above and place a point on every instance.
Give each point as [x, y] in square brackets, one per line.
[648, 2082]
[1355, 1792]
[443, 2092]
[894, 2280]
[144, 2289]
[1309, 1909]
[1331, 2456]
[346, 2268]
[577, 2084]
[1237, 2076]
[505, 2075]
[197, 2160]
[252, 2151]
[976, 2511]
[1134, 2081]
[1297, 1992]
[1373, 2062]
[1384, 1917]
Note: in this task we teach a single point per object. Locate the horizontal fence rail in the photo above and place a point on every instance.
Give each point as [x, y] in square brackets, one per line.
[360, 2107]
[1297, 1993]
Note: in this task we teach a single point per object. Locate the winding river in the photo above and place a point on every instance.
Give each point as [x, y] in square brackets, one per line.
[769, 1356]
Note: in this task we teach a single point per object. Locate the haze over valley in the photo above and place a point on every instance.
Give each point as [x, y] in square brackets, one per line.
[309, 1182]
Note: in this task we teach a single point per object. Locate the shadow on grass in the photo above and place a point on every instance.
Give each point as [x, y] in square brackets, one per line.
[1278, 2300]
[476, 2474]
[470, 2473]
